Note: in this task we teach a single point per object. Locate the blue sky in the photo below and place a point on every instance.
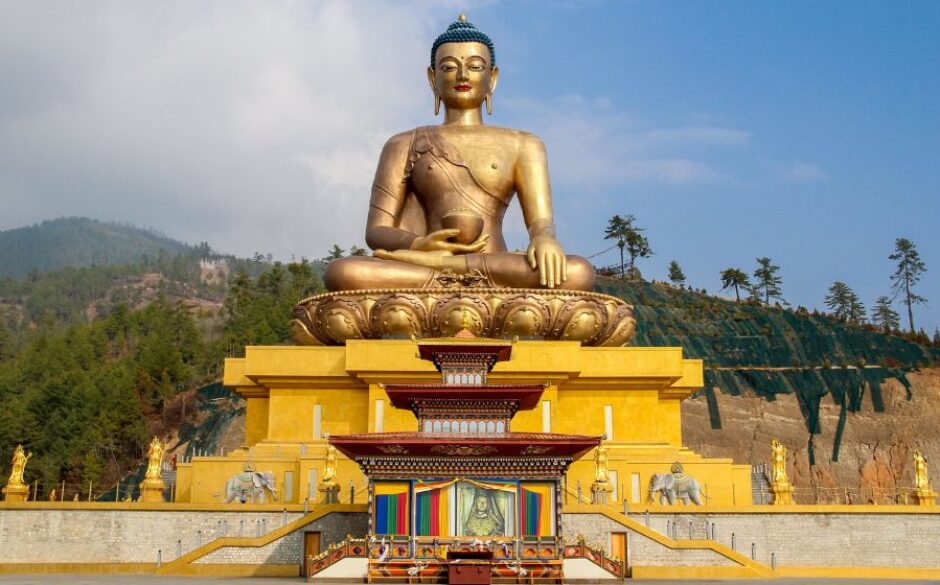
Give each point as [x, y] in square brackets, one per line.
[808, 132]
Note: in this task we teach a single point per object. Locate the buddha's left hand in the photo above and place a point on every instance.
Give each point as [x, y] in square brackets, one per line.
[547, 255]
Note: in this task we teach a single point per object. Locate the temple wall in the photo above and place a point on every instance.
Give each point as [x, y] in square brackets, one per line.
[821, 539]
[814, 538]
[836, 539]
[86, 536]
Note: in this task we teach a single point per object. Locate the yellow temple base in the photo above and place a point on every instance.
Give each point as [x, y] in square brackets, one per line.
[296, 396]
[15, 493]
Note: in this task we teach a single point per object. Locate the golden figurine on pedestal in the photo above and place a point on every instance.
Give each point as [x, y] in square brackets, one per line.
[601, 486]
[435, 223]
[923, 494]
[780, 485]
[329, 486]
[16, 490]
[151, 489]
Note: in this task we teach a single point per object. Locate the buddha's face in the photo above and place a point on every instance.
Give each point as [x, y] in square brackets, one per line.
[462, 74]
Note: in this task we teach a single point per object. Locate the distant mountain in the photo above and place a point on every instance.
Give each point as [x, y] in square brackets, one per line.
[79, 241]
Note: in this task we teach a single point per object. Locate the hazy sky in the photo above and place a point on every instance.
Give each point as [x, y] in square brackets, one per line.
[808, 132]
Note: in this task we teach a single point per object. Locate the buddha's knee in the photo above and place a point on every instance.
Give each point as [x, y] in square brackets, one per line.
[580, 274]
[345, 274]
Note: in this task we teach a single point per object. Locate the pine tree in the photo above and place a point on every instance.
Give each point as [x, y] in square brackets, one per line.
[335, 253]
[844, 303]
[676, 276]
[630, 239]
[884, 316]
[910, 269]
[357, 251]
[767, 282]
[735, 278]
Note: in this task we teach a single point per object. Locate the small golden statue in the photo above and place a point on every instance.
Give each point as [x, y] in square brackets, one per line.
[435, 224]
[601, 486]
[780, 485]
[155, 459]
[329, 486]
[53, 496]
[16, 489]
[923, 494]
[151, 489]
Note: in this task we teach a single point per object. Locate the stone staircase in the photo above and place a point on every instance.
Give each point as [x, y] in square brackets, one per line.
[168, 474]
[760, 486]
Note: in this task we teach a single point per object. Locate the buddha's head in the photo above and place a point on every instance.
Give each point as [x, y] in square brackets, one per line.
[463, 70]
[481, 503]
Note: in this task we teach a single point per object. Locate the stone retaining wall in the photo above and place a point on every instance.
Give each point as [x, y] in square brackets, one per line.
[817, 539]
[132, 536]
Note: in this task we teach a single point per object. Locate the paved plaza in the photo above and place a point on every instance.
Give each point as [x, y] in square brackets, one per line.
[150, 580]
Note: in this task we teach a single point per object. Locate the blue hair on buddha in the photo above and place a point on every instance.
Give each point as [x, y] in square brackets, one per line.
[461, 31]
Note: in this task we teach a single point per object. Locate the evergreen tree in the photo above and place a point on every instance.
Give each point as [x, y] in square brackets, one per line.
[910, 269]
[844, 303]
[734, 278]
[676, 276]
[335, 253]
[767, 282]
[936, 337]
[630, 239]
[884, 316]
[357, 251]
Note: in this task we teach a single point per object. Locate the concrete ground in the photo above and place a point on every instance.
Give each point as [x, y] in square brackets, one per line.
[151, 580]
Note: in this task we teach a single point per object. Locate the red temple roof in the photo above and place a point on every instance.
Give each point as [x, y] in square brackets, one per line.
[525, 397]
[466, 445]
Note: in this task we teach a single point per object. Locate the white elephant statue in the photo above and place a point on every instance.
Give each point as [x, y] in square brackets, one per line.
[676, 485]
[250, 486]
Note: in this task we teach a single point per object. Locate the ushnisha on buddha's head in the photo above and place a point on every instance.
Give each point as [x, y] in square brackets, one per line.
[463, 70]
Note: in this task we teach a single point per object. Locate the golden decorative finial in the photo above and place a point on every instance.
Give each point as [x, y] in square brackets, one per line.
[780, 485]
[462, 17]
[923, 494]
[155, 458]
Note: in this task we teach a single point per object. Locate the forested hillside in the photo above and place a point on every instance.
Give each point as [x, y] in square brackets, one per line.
[86, 394]
[95, 360]
[79, 241]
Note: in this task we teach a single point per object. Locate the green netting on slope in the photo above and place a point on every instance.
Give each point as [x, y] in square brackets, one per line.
[749, 349]
[215, 410]
[733, 335]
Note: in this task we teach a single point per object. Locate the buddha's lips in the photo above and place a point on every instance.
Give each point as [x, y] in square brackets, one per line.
[463, 87]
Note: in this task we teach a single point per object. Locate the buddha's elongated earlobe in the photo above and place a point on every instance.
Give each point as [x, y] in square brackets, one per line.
[437, 104]
[489, 104]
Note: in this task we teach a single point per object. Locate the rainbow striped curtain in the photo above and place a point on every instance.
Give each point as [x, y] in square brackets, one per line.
[391, 508]
[432, 512]
[535, 509]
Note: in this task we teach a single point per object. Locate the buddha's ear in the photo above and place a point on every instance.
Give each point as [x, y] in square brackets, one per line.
[432, 81]
[488, 98]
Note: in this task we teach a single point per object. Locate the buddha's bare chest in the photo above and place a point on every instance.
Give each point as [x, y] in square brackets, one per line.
[490, 159]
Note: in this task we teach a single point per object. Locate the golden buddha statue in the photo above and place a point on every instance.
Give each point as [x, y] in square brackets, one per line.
[435, 226]
[155, 459]
[18, 466]
[466, 172]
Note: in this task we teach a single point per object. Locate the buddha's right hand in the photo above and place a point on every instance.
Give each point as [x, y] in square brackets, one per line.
[438, 242]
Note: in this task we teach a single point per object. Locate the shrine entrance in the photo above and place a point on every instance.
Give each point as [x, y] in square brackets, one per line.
[463, 496]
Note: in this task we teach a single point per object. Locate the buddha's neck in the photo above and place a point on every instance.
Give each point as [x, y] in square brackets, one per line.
[468, 117]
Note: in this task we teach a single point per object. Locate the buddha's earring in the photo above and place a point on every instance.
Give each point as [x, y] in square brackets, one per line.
[437, 104]
[489, 104]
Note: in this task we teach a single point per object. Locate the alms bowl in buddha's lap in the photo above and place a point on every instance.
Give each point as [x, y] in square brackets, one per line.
[468, 221]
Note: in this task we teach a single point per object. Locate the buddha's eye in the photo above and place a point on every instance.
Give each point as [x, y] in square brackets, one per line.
[448, 67]
[476, 67]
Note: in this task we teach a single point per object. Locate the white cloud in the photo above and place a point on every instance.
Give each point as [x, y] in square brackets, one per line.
[250, 125]
[800, 172]
[591, 143]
